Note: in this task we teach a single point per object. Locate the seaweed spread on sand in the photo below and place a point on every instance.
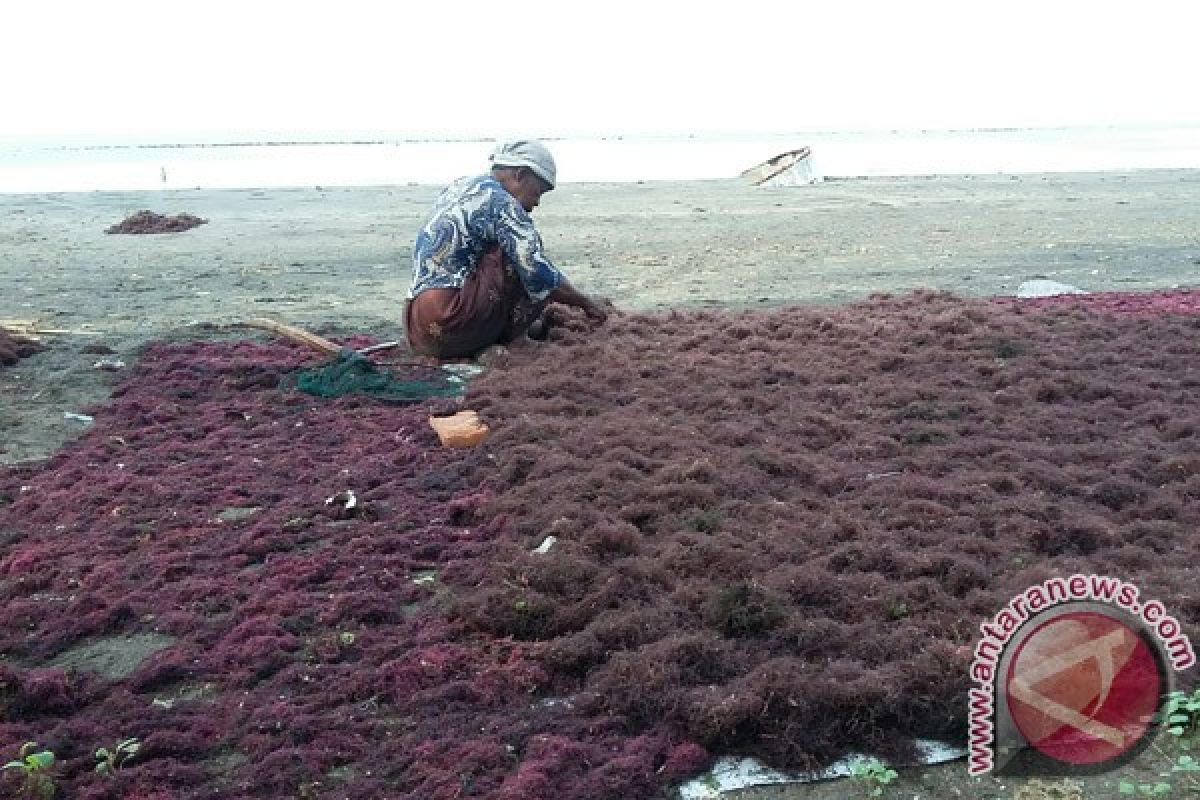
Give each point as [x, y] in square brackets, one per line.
[775, 534]
[302, 644]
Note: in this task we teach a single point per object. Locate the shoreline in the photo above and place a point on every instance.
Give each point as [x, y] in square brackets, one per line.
[731, 181]
[367, 136]
[288, 161]
[1074, 175]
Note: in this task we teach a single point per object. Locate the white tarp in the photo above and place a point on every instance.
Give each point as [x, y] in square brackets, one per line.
[728, 773]
[1045, 288]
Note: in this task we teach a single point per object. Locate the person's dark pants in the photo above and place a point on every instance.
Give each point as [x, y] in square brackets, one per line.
[492, 307]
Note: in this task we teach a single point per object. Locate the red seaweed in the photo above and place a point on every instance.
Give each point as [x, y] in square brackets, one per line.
[820, 505]
[776, 534]
[147, 221]
[304, 652]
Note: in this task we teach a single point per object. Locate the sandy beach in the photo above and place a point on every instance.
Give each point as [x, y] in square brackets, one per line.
[337, 259]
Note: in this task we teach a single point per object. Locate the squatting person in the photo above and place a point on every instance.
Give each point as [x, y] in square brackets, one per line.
[480, 276]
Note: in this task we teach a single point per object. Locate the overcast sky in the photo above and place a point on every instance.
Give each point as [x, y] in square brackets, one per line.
[461, 67]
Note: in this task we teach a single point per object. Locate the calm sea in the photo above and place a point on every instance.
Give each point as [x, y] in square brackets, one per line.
[46, 166]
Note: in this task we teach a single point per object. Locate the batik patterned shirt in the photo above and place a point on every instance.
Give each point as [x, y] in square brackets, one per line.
[471, 215]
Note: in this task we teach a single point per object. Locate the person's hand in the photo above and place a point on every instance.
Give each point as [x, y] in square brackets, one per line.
[596, 310]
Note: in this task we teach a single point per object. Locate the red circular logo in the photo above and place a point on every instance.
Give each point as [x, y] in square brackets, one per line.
[1083, 687]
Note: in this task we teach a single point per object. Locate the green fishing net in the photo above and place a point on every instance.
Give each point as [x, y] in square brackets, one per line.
[352, 373]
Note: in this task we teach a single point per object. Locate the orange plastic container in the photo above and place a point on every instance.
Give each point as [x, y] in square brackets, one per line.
[464, 429]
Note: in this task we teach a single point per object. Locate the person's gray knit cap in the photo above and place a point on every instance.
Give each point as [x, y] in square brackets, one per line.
[526, 153]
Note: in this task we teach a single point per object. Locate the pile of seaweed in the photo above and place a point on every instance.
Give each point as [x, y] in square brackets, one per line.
[255, 583]
[777, 533]
[13, 348]
[147, 221]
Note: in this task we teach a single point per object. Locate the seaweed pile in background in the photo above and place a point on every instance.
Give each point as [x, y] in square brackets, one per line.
[777, 533]
[147, 221]
[254, 583]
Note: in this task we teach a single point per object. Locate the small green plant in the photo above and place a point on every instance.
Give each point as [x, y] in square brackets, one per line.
[872, 774]
[1144, 789]
[1181, 712]
[109, 761]
[1008, 348]
[706, 521]
[1180, 715]
[34, 767]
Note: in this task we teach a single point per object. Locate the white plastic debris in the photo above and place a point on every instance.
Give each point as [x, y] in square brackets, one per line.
[464, 371]
[1045, 288]
[78, 417]
[546, 544]
[109, 364]
[345, 499]
[729, 773]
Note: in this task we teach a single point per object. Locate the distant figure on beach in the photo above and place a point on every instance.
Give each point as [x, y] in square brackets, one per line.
[480, 276]
[162, 173]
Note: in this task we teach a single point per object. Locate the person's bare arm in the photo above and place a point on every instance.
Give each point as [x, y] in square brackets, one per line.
[569, 295]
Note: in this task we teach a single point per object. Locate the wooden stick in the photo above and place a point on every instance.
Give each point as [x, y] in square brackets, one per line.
[14, 324]
[375, 348]
[29, 329]
[64, 332]
[325, 346]
[298, 335]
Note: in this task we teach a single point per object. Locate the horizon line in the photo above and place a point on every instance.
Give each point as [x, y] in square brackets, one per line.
[267, 139]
